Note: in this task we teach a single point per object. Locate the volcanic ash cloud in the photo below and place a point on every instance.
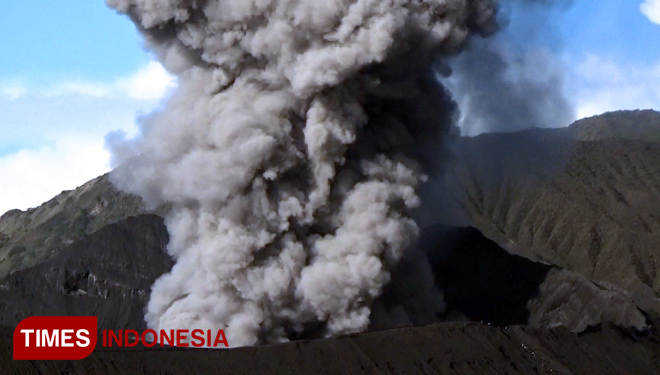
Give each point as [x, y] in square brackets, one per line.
[291, 154]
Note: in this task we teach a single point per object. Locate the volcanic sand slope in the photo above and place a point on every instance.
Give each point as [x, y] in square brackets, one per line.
[592, 207]
[483, 282]
[32, 236]
[448, 348]
[640, 125]
[107, 274]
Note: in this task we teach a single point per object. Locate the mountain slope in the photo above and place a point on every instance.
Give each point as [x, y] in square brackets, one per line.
[108, 274]
[485, 283]
[592, 207]
[32, 236]
[640, 125]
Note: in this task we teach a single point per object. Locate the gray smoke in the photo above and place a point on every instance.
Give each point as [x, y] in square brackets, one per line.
[503, 83]
[506, 83]
[291, 154]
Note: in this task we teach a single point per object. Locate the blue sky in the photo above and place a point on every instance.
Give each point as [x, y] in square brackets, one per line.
[70, 74]
[44, 42]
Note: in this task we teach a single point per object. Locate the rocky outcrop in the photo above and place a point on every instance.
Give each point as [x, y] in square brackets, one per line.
[108, 274]
[639, 125]
[33, 236]
[483, 282]
[590, 205]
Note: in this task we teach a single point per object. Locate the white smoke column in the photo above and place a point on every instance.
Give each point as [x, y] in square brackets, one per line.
[290, 202]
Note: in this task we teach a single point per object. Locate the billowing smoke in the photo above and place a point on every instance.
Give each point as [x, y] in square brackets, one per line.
[291, 154]
[506, 83]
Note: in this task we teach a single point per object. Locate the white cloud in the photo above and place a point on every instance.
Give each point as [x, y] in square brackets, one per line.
[12, 90]
[34, 120]
[152, 82]
[602, 85]
[64, 127]
[149, 83]
[31, 177]
[651, 9]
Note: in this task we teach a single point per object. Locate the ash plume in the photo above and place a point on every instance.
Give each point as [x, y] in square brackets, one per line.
[291, 154]
[507, 83]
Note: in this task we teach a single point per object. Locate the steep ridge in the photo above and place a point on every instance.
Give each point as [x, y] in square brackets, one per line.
[32, 236]
[584, 214]
[107, 274]
[592, 207]
[641, 125]
[484, 282]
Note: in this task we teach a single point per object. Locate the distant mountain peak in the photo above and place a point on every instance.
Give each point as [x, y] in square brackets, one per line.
[638, 125]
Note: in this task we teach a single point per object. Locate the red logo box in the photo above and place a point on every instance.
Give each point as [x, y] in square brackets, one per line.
[55, 337]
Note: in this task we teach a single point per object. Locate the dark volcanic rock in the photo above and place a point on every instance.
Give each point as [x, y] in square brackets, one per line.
[585, 198]
[33, 236]
[448, 348]
[486, 283]
[479, 278]
[108, 274]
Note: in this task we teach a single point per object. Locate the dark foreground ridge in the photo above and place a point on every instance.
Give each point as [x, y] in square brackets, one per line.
[446, 348]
